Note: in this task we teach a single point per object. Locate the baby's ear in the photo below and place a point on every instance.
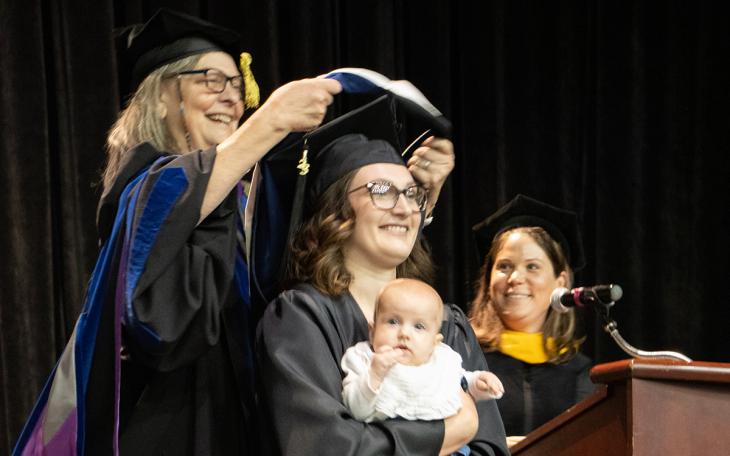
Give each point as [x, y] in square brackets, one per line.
[439, 338]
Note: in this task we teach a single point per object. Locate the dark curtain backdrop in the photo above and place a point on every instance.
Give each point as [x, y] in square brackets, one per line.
[617, 109]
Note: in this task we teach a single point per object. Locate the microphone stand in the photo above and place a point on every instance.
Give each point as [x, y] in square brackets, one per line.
[612, 329]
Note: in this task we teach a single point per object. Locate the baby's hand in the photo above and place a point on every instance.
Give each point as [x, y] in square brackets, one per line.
[490, 384]
[384, 358]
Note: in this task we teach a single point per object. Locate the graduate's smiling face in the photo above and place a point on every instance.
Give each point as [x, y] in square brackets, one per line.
[209, 117]
[381, 238]
[521, 281]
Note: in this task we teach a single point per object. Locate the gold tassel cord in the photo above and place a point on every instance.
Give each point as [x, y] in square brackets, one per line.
[303, 164]
[251, 88]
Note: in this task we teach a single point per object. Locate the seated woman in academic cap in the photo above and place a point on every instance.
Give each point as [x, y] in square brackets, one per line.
[160, 361]
[528, 249]
[360, 229]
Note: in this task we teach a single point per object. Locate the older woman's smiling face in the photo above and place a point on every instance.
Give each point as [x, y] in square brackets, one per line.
[209, 117]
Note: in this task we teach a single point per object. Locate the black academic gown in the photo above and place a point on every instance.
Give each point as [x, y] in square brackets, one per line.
[536, 393]
[300, 342]
[186, 390]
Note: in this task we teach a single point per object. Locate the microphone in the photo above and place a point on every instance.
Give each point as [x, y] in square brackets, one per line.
[562, 299]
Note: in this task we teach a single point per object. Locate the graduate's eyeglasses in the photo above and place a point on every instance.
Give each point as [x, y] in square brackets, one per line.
[216, 81]
[385, 195]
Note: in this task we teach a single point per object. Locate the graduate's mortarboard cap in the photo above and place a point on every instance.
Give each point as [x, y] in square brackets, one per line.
[292, 177]
[523, 211]
[169, 36]
[367, 135]
[343, 155]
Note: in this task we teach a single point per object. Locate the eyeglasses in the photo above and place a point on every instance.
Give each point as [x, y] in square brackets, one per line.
[216, 81]
[385, 195]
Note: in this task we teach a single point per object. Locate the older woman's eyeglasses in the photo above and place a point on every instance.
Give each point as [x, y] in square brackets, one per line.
[385, 195]
[216, 81]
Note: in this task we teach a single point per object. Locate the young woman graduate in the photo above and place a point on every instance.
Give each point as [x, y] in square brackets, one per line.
[363, 210]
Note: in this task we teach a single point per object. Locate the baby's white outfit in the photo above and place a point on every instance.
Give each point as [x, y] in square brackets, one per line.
[426, 392]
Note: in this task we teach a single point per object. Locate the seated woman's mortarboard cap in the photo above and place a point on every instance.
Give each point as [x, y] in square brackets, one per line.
[169, 36]
[523, 211]
[293, 176]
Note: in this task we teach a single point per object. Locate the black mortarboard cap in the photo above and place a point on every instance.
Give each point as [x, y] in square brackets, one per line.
[560, 224]
[367, 135]
[167, 36]
[344, 154]
[373, 133]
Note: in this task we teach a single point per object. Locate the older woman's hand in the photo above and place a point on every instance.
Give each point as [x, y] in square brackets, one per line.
[430, 165]
[300, 105]
[296, 106]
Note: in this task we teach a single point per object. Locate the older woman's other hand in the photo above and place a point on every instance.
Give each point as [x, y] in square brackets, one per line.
[300, 105]
[430, 165]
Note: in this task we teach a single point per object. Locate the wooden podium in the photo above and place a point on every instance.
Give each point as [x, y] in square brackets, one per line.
[643, 407]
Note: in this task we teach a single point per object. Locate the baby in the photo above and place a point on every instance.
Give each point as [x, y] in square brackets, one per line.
[405, 370]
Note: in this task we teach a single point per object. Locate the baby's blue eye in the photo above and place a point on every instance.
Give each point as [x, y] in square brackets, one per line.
[392, 321]
[420, 326]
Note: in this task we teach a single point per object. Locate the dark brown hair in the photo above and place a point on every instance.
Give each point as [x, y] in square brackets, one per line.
[560, 327]
[316, 252]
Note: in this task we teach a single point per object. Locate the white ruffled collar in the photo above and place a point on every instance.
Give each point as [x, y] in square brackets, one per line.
[426, 392]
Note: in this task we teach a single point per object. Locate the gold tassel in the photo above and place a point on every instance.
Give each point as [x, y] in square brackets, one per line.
[251, 89]
[303, 164]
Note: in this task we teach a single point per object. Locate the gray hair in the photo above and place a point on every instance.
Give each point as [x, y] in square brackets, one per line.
[140, 121]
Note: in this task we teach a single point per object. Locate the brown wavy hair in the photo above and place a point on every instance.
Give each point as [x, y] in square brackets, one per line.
[560, 327]
[316, 255]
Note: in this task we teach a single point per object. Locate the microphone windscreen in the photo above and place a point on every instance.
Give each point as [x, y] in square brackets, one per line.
[616, 292]
[608, 293]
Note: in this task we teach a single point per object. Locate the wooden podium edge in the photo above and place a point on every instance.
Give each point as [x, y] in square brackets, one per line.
[570, 414]
[604, 374]
[661, 369]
